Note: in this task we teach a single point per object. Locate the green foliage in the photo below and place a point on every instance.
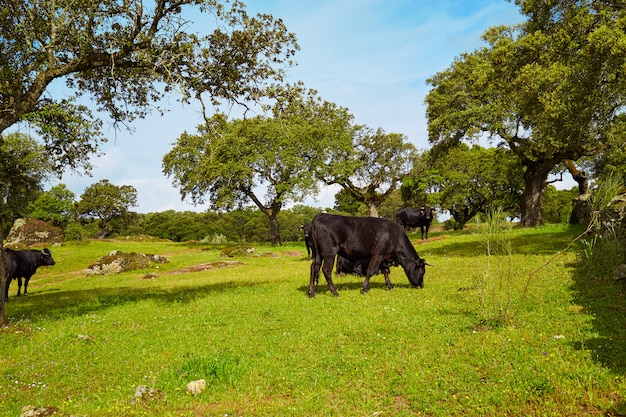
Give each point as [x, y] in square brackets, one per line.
[556, 205]
[56, 206]
[246, 225]
[127, 56]
[525, 90]
[107, 202]
[227, 161]
[24, 165]
[372, 168]
[605, 247]
[467, 181]
[346, 203]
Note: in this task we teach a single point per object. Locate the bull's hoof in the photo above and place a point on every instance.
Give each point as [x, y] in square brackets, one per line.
[335, 294]
[311, 294]
[363, 291]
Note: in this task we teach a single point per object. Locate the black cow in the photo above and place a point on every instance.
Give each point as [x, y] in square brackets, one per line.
[306, 228]
[23, 264]
[413, 217]
[354, 238]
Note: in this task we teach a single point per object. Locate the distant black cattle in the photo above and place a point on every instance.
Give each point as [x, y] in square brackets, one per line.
[306, 229]
[413, 217]
[355, 238]
[23, 264]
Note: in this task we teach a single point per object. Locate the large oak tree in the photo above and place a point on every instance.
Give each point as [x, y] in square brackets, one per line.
[122, 57]
[372, 168]
[268, 161]
[549, 89]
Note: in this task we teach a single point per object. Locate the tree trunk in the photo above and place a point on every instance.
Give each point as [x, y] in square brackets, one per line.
[372, 210]
[3, 276]
[581, 177]
[535, 178]
[275, 228]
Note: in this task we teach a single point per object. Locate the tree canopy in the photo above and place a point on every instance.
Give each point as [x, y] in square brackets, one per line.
[549, 89]
[24, 165]
[106, 201]
[372, 168]
[56, 206]
[468, 181]
[264, 160]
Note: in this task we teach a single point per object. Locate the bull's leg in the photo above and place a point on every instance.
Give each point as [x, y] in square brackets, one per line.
[387, 280]
[26, 279]
[366, 283]
[6, 293]
[19, 286]
[315, 272]
[372, 268]
[327, 269]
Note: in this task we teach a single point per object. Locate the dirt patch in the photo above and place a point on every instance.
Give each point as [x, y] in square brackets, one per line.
[432, 239]
[206, 266]
[294, 254]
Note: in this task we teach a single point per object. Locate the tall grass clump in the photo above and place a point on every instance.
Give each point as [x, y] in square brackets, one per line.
[495, 285]
[603, 246]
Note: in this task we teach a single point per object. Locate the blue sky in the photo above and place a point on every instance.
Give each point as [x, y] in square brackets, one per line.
[370, 56]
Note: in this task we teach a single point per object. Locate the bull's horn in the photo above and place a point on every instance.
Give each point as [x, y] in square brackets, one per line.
[426, 263]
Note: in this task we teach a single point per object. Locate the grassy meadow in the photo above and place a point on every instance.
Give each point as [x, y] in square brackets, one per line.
[84, 344]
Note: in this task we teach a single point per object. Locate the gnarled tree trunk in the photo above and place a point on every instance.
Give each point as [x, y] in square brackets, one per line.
[535, 178]
[581, 177]
[3, 277]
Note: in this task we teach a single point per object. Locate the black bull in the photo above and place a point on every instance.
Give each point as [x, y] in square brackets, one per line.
[354, 238]
[23, 264]
[413, 217]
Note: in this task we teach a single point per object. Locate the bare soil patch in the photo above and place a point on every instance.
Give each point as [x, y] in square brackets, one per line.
[207, 266]
[432, 239]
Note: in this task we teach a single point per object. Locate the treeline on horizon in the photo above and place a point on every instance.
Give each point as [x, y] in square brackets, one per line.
[249, 224]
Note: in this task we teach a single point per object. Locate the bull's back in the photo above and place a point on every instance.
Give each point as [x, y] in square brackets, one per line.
[24, 263]
[354, 237]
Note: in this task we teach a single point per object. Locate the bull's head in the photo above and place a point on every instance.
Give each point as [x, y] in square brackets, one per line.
[45, 258]
[416, 272]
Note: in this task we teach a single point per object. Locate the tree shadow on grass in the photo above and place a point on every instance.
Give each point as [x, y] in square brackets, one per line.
[352, 283]
[604, 300]
[539, 243]
[56, 303]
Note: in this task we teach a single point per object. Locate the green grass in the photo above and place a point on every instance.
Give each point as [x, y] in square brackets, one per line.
[84, 343]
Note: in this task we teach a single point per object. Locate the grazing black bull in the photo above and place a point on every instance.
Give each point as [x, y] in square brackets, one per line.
[413, 217]
[354, 238]
[23, 264]
[306, 228]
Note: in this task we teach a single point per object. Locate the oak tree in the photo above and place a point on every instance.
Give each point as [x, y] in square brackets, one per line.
[105, 201]
[549, 89]
[266, 160]
[372, 168]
